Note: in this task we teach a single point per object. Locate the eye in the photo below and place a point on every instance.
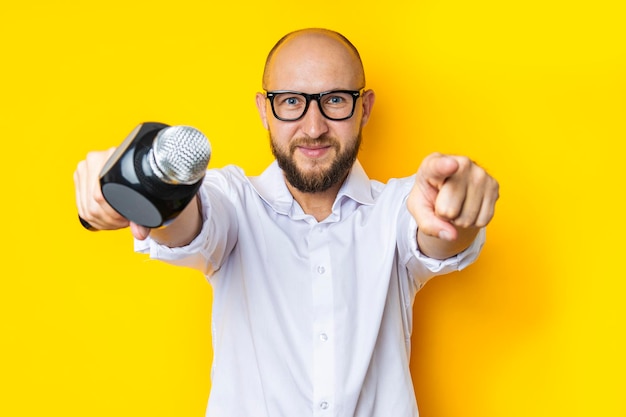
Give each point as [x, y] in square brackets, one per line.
[289, 100]
[335, 100]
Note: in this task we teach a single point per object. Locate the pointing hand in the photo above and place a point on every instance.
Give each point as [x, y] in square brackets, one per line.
[451, 193]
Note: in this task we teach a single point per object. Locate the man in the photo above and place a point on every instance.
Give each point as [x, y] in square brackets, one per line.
[314, 267]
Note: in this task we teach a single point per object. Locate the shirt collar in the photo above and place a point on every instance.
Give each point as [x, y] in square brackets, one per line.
[271, 187]
[357, 186]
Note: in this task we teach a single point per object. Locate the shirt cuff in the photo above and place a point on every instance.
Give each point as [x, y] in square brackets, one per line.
[429, 267]
[165, 253]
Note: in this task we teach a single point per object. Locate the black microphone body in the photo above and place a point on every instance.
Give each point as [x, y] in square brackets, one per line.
[135, 187]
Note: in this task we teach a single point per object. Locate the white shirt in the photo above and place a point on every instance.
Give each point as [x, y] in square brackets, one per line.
[309, 318]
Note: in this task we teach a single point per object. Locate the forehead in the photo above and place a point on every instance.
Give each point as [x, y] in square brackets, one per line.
[314, 62]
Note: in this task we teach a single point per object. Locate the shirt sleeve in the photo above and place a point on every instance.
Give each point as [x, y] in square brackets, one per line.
[422, 268]
[216, 239]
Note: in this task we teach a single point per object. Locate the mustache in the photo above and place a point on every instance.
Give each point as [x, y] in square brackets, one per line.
[312, 142]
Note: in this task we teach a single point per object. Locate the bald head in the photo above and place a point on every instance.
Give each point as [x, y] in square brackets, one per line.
[313, 59]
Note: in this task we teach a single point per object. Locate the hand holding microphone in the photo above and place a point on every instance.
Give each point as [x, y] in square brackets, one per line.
[148, 180]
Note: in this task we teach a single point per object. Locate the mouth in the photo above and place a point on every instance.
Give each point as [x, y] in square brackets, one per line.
[314, 151]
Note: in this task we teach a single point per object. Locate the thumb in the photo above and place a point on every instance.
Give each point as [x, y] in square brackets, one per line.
[139, 232]
[432, 174]
[421, 205]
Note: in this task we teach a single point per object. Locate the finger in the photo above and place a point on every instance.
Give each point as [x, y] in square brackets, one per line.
[432, 225]
[420, 205]
[437, 168]
[481, 195]
[77, 191]
[469, 209]
[488, 206]
[78, 186]
[104, 216]
[474, 184]
[451, 198]
[139, 232]
[91, 204]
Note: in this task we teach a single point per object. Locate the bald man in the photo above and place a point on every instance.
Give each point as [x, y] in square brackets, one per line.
[314, 266]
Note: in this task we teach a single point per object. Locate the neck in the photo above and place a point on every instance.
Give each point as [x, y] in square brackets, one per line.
[319, 204]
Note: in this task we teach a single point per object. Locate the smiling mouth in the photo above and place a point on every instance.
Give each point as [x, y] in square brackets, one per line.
[313, 152]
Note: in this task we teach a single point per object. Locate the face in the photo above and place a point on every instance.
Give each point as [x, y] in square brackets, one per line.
[315, 153]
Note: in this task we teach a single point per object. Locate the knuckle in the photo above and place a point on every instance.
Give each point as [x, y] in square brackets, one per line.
[99, 198]
[91, 155]
[496, 188]
[479, 177]
[464, 162]
[463, 223]
[466, 220]
[481, 223]
[427, 229]
[484, 220]
[448, 212]
[89, 214]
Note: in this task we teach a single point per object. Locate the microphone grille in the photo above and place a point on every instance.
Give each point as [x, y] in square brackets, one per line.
[180, 155]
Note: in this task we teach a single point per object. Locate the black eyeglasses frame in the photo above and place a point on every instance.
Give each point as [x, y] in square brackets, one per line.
[270, 95]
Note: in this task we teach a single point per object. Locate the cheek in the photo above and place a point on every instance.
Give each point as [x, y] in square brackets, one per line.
[282, 132]
[279, 137]
[349, 132]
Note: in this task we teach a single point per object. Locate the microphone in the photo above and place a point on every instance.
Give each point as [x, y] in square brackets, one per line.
[154, 173]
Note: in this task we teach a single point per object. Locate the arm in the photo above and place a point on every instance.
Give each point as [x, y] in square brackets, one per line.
[94, 209]
[452, 198]
[180, 232]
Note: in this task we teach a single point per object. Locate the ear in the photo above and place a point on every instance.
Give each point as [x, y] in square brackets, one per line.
[261, 105]
[368, 99]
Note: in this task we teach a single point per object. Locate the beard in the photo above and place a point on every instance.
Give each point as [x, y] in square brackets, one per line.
[319, 179]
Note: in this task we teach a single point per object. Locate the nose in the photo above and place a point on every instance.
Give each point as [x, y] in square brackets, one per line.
[314, 124]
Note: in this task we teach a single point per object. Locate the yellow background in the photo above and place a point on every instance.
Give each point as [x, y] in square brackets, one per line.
[535, 91]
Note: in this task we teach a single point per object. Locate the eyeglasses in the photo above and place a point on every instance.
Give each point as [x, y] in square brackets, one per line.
[290, 106]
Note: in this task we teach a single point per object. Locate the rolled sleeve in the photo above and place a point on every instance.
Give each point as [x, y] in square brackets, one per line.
[193, 255]
[422, 268]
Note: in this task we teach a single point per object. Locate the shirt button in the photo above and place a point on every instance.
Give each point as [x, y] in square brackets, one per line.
[323, 405]
[323, 337]
[321, 270]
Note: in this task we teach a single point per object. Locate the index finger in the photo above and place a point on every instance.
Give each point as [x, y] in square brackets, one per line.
[437, 168]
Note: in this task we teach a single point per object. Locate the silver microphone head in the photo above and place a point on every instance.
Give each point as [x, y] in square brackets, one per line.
[180, 155]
